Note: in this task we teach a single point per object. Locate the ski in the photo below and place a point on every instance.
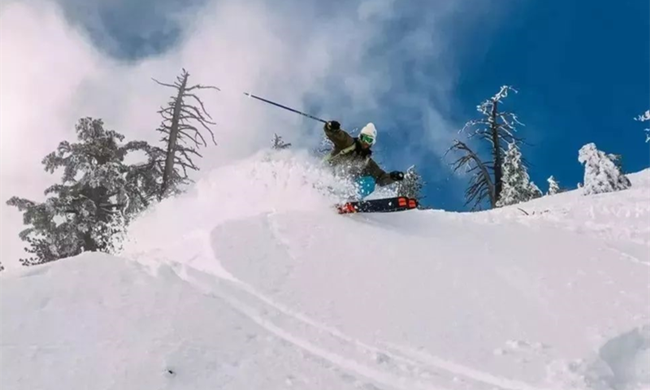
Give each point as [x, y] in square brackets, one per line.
[387, 205]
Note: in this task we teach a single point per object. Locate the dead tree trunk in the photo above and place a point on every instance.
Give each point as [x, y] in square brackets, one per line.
[497, 128]
[173, 136]
[179, 132]
[496, 151]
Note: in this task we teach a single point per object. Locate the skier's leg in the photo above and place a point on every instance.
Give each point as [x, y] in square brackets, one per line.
[365, 186]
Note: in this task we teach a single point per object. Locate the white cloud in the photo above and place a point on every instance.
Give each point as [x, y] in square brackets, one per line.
[51, 75]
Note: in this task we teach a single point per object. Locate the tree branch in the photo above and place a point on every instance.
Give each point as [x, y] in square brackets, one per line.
[481, 183]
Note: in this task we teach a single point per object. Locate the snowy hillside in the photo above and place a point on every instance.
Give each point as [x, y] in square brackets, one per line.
[251, 281]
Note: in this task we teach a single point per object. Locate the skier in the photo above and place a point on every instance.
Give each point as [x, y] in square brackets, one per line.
[352, 156]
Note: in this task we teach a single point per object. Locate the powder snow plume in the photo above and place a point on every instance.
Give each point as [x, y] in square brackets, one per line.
[267, 182]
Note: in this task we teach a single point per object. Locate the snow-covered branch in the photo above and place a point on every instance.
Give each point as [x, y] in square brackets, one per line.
[643, 118]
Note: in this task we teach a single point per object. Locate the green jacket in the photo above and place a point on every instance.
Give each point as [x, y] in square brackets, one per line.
[349, 155]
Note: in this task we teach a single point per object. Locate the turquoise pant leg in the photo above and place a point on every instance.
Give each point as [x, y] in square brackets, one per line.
[365, 186]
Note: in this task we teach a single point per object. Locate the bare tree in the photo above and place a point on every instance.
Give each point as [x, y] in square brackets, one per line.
[180, 134]
[278, 143]
[481, 185]
[497, 127]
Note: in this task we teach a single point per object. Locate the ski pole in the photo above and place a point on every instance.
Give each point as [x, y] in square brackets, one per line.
[285, 107]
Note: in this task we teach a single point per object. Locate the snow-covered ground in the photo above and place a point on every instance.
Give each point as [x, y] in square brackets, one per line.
[251, 281]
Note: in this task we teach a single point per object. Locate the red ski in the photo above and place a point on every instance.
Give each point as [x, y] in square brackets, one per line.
[387, 205]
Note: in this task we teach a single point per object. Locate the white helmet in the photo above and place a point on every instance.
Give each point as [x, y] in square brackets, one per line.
[369, 131]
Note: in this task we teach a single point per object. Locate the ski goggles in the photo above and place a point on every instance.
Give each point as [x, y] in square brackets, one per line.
[366, 138]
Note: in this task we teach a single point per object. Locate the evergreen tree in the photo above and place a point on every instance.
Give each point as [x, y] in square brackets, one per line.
[147, 176]
[617, 159]
[553, 186]
[412, 184]
[601, 173]
[181, 136]
[533, 191]
[278, 143]
[516, 183]
[96, 198]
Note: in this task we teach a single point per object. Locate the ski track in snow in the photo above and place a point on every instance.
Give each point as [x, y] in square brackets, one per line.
[627, 256]
[394, 367]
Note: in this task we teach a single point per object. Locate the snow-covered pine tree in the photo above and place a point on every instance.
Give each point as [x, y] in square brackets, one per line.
[278, 143]
[553, 186]
[643, 118]
[617, 159]
[533, 191]
[516, 183]
[147, 176]
[179, 132]
[94, 201]
[601, 173]
[412, 184]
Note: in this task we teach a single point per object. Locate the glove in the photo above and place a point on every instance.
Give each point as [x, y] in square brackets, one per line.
[333, 125]
[397, 175]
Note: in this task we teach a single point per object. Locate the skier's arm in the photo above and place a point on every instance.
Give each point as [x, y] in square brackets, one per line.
[339, 138]
[381, 177]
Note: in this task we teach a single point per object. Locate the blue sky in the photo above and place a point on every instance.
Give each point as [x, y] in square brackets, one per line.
[582, 73]
[581, 69]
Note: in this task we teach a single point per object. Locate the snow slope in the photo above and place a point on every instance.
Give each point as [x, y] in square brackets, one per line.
[250, 281]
